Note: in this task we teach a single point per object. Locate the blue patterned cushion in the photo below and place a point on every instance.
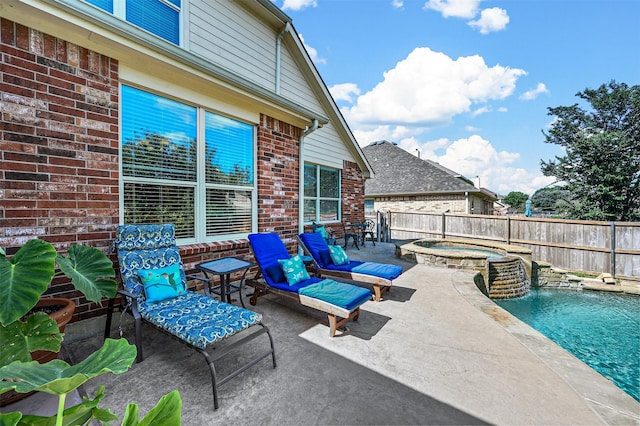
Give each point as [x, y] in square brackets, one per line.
[294, 269]
[338, 256]
[198, 319]
[145, 247]
[162, 283]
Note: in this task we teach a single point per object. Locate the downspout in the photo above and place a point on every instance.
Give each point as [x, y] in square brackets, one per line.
[304, 134]
[286, 28]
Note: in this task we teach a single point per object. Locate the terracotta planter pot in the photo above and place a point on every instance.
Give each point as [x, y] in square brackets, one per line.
[60, 310]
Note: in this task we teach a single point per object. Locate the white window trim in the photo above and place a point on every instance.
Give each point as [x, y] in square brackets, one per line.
[318, 198]
[200, 185]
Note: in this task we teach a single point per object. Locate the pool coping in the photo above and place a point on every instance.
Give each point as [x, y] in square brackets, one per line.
[606, 400]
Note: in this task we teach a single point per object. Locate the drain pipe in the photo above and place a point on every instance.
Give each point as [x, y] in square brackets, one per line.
[286, 29]
[307, 132]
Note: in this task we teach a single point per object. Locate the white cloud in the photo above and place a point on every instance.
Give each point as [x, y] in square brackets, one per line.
[533, 93]
[313, 53]
[298, 4]
[366, 135]
[480, 111]
[469, 128]
[502, 109]
[344, 92]
[457, 8]
[475, 156]
[492, 19]
[397, 4]
[429, 88]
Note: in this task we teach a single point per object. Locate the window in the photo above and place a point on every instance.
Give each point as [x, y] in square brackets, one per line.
[160, 17]
[165, 180]
[321, 194]
[368, 208]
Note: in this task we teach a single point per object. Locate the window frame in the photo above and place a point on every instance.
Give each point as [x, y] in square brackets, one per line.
[120, 7]
[318, 198]
[200, 185]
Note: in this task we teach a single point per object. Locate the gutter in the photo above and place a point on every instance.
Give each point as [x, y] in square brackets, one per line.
[304, 134]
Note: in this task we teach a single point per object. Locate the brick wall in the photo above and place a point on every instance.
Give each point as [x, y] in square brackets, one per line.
[352, 193]
[278, 178]
[58, 145]
[423, 204]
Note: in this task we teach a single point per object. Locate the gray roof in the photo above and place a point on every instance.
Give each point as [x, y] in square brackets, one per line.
[400, 172]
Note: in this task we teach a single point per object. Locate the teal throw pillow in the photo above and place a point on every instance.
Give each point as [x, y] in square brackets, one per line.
[323, 231]
[338, 255]
[294, 270]
[161, 284]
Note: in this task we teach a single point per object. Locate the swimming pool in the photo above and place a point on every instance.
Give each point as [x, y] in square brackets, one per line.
[601, 329]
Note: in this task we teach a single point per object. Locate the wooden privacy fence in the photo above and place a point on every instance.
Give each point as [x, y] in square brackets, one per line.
[578, 245]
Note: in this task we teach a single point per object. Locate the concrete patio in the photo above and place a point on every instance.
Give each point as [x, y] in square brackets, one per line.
[433, 351]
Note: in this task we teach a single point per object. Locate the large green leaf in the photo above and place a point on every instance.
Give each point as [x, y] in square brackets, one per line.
[79, 414]
[38, 332]
[24, 278]
[167, 412]
[89, 270]
[10, 419]
[57, 377]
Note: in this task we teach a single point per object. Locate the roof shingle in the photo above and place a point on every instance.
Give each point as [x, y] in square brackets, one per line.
[399, 172]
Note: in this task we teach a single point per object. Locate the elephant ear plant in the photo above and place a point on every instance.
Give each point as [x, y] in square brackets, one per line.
[23, 279]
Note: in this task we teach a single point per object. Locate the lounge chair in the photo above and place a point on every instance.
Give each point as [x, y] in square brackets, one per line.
[154, 288]
[340, 301]
[380, 275]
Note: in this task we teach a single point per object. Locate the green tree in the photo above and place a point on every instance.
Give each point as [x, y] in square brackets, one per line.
[601, 168]
[516, 200]
[547, 199]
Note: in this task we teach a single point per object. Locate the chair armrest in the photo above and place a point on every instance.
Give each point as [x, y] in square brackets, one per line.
[128, 294]
[206, 287]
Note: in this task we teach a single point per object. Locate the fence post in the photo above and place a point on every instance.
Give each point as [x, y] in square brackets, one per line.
[613, 250]
[508, 229]
[444, 225]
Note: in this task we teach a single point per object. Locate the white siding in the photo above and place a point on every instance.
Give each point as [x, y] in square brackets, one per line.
[324, 146]
[227, 35]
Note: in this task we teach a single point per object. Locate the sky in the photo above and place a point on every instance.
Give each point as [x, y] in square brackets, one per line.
[468, 83]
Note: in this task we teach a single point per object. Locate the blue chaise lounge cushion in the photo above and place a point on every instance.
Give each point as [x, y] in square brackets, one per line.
[315, 244]
[346, 296]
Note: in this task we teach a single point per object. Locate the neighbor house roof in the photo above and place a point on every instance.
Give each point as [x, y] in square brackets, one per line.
[398, 172]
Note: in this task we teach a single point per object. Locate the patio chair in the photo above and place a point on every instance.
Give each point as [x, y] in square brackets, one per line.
[154, 288]
[369, 231]
[349, 235]
[379, 275]
[285, 276]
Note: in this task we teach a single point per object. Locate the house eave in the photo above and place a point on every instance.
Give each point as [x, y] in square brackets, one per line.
[24, 12]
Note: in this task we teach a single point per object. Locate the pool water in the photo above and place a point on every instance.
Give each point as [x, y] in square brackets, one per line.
[602, 329]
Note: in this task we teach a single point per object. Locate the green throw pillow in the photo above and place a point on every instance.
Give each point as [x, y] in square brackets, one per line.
[323, 231]
[338, 255]
[161, 284]
[294, 269]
